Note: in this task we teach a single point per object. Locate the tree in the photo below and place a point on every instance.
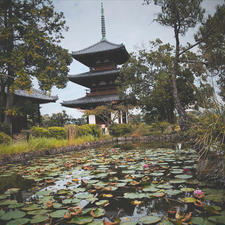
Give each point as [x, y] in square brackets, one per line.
[213, 47]
[30, 32]
[146, 81]
[180, 16]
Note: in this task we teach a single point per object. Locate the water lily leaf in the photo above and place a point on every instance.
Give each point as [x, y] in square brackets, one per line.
[211, 209]
[156, 174]
[183, 176]
[177, 181]
[2, 212]
[39, 219]
[129, 223]
[166, 222]
[8, 202]
[173, 192]
[150, 189]
[57, 205]
[197, 220]
[38, 212]
[97, 222]
[98, 212]
[4, 196]
[134, 195]
[217, 219]
[188, 200]
[31, 207]
[165, 186]
[13, 215]
[20, 221]
[12, 190]
[43, 193]
[17, 205]
[102, 202]
[82, 220]
[150, 219]
[58, 213]
[84, 196]
[187, 189]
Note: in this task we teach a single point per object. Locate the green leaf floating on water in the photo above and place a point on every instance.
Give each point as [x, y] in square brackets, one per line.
[31, 207]
[166, 222]
[173, 192]
[2, 212]
[39, 219]
[59, 213]
[129, 223]
[20, 221]
[98, 222]
[82, 220]
[150, 219]
[15, 214]
[17, 205]
[187, 189]
[102, 202]
[150, 189]
[8, 202]
[99, 212]
[183, 176]
[188, 200]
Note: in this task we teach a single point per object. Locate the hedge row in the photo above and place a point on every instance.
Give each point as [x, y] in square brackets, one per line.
[4, 138]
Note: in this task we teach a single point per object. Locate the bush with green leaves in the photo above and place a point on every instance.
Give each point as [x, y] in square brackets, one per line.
[89, 129]
[4, 127]
[39, 132]
[118, 130]
[5, 139]
[57, 132]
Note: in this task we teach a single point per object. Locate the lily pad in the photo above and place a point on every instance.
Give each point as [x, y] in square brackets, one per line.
[31, 207]
[8, 202]
[58, 213]
[188, 200]
[217, 219]
[82, 220]
[173, 192]
[98, 212]
[39, 219]
[187, 189]
[129, 223]
[183, 176]
[150, 219]
[20, 221]
[102, 202]
[13, 215]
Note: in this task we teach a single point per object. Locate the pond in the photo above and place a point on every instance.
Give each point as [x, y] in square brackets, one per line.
[110, 186]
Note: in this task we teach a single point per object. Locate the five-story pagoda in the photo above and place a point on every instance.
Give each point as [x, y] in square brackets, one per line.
[102, 59]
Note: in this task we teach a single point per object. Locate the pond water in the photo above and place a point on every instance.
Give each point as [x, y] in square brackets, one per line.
[110, 186]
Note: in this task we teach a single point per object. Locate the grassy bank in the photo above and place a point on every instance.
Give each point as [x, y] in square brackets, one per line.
[38, 144]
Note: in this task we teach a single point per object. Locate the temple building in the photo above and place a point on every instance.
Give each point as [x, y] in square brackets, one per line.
[28, 103]
[102, 59]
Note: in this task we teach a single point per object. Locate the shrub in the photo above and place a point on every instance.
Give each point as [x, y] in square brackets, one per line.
[4, 128]
[89, 129]
[57, 132]
[4, 138]
[39, 132]
[117, 130]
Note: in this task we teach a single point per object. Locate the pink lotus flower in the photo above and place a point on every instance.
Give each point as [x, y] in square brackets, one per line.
[198, 192]
[145, 165]
[113, 150]
[187, 171]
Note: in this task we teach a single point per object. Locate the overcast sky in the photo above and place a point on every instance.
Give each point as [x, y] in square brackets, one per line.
[127, 21]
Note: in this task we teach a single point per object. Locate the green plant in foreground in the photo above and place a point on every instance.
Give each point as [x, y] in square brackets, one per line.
[38, 144]
[4, 138]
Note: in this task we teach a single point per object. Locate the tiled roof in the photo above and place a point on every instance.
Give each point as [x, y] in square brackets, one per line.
[98, 47]
[36, 94]
[90, 100]
[93, 74]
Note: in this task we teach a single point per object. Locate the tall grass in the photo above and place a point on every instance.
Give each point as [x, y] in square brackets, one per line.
[38, 144]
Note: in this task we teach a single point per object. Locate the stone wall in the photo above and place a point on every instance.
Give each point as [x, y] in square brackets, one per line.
[16, 158]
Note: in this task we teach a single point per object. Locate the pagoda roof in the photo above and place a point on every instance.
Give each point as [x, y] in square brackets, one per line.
[89, 101]
[36, 95]
[87, 56]
[85, 78]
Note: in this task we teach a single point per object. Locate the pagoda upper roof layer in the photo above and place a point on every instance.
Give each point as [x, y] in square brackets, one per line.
[116, 52]
[36, 95]
[91, 101]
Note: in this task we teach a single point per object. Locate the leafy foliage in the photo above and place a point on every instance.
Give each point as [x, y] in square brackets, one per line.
[118, 130]
[208, 130]
[4, 138]
[57, 132]
[89, 129]
[39, 132]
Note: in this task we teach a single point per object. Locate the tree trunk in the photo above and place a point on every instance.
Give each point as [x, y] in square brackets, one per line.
[181, 112]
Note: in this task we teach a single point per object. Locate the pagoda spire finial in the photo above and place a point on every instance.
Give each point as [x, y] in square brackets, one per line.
[103, 23]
